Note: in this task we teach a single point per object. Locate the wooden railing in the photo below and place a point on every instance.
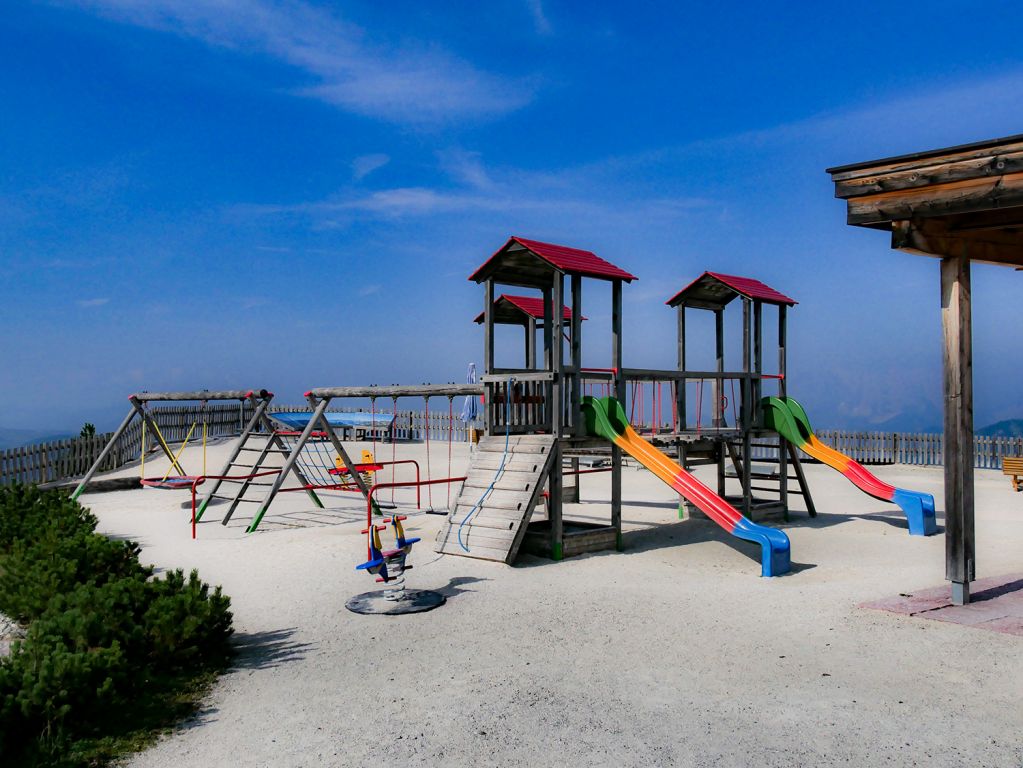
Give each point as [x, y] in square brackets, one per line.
[919, 449]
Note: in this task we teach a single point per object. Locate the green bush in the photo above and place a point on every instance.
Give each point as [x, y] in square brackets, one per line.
[109, 649]
[26, 511]
[51, 565]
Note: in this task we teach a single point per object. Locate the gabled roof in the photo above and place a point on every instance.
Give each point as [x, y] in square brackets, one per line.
[514, 310]
[712, 290]
[530, 262]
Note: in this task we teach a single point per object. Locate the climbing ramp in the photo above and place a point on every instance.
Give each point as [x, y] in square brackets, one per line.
[504, 484]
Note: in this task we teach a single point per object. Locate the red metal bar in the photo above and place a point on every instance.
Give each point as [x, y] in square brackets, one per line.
[377, 486]
[203, 478]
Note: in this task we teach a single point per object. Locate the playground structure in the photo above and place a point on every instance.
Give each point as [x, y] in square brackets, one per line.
[140, 402]
[538, 416]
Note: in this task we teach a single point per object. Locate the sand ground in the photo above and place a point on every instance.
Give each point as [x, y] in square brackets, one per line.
[673, 652]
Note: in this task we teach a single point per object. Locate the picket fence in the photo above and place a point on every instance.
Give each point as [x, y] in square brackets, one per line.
[64, 459]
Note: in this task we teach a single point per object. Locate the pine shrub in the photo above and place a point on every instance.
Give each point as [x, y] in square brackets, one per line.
[106, 641]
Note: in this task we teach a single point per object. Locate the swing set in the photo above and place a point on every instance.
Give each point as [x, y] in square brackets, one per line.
[153, 438]
[317, 455]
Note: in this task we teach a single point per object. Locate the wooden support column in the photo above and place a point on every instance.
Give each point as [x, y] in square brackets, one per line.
[548, 351]
[716, 412]
[758, 356]
[531, 343]
[746, 410]
[783, 455]
[958, 391]
[619, 393]
[680, 386]
[553, 331]
[488, 355]
[575, 391]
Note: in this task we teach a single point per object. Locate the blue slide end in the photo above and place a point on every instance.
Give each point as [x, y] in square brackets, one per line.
[774, 546]
[919, 509]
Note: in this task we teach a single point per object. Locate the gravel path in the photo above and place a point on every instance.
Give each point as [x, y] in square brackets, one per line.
[674, 652]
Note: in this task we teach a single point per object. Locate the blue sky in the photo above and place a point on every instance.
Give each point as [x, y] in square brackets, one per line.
[292, 194]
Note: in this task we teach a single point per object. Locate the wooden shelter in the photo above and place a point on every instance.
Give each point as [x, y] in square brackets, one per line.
[959, 204]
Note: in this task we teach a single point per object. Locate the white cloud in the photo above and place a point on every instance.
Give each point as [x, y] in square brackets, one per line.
[89, 303]
[417, 84]
[541, 23]
[364, 165]
[369, 290]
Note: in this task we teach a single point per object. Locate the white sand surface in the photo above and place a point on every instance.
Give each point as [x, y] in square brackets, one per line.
[673, 652]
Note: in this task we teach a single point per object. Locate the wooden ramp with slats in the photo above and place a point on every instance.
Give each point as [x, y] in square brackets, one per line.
[498, 523]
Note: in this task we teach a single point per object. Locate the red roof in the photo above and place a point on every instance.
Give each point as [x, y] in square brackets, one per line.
[529, 305]
[746, 286]
[571, 261]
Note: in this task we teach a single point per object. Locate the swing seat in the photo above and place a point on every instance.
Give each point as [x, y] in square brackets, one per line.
[168, 483]
[358, 468]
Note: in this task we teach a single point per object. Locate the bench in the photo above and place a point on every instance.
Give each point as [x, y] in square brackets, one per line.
[1013, 466]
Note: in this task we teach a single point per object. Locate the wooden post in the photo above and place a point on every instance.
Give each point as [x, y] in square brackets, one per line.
[575, 391]
[558, 354]
[680, 386]
[783, 455]
[103, 454]
[958, 391]
[531, 343]
[746, 410]
[488, 356]
[717, 413]
[619, 387]
[553, 302]
[758, 355]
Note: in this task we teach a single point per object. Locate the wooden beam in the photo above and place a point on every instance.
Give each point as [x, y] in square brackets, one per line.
[958, 415]
[981, 194]
[935, 237]
[929, 174]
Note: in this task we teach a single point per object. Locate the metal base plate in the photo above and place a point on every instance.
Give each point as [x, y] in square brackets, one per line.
[413, 601]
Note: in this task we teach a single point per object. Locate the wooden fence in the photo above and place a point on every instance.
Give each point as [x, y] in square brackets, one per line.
[65, 459]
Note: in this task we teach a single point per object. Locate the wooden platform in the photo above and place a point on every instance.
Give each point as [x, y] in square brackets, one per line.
[498, 515]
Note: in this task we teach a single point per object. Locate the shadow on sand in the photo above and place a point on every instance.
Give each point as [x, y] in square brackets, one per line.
[265, 650]
[454, 586]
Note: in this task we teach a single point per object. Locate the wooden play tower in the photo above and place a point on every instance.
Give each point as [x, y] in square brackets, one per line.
[536, 409]
[535, 432]
[719, 443]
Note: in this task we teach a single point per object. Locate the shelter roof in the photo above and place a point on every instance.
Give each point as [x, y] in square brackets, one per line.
[515, 310]
[943, 202]
[532, 263]
[713, 290]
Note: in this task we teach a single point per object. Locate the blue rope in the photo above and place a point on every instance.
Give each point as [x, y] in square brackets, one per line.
[500, 469]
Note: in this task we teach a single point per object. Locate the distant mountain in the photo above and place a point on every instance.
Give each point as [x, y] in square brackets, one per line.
[15, 438]
[1007, 428]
